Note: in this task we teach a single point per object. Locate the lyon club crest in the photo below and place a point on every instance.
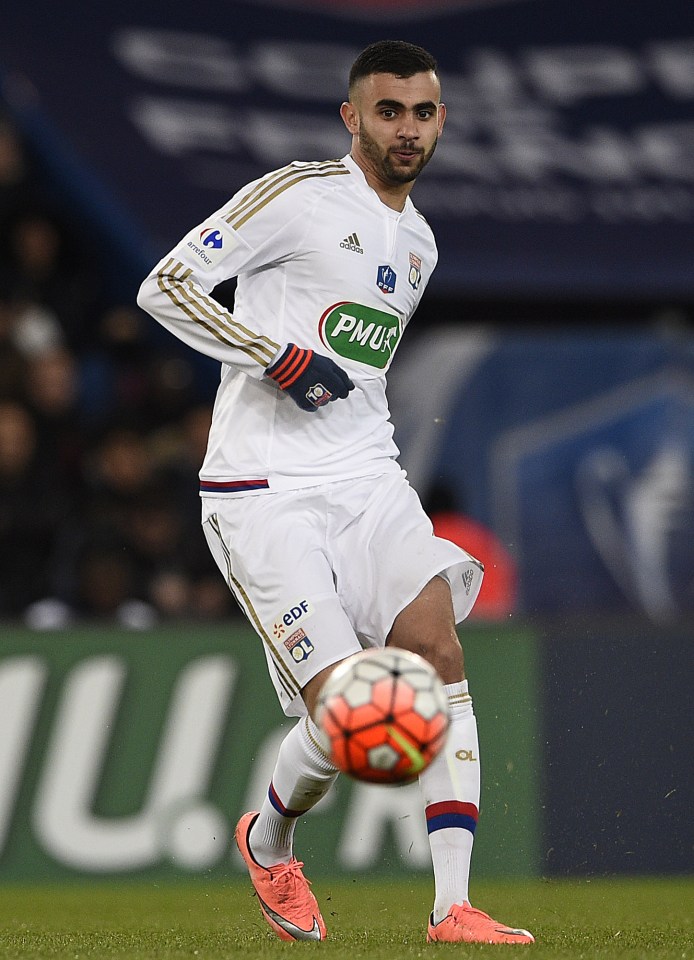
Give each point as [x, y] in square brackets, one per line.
[415, 275]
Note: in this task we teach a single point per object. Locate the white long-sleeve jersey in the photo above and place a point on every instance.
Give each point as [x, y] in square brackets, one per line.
[321, 262]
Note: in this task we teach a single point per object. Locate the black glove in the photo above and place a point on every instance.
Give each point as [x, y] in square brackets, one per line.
[310, 379]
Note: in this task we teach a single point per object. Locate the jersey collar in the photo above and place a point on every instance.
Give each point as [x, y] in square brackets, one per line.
[364, 187]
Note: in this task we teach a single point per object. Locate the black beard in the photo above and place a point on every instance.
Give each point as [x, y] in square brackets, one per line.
[385, 165]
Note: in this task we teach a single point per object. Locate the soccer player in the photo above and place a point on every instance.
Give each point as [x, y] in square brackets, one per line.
[307, 513]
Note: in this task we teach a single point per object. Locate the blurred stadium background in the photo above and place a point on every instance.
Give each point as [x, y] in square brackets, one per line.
[551, 428]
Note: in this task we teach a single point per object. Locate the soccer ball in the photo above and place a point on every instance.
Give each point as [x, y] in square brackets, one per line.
[383, 715]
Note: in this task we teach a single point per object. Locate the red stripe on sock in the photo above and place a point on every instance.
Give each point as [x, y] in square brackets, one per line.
[280, 807]
[452, 806]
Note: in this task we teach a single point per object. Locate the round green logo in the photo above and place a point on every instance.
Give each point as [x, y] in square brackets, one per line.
[361, 333]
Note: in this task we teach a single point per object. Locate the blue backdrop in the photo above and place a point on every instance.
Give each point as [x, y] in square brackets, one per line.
[567, 165]
[577, 449]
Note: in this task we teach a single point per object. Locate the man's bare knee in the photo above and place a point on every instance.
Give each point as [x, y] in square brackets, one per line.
[311, 692]
[427, 626]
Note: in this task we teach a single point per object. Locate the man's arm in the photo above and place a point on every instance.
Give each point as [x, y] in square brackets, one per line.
[174, 295]
[262, 225]
[174, 298]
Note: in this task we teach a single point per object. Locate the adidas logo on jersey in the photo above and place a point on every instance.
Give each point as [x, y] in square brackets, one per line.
[352, 243]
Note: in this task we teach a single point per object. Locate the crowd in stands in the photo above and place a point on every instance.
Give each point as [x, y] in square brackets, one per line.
[101, 434]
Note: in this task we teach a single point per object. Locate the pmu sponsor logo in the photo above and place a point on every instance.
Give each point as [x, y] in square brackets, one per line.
[174, 818]
[295, 613]
[299, 645]
[360, 333]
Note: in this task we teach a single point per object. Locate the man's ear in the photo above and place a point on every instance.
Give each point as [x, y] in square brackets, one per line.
[441, 119]
[350, 117]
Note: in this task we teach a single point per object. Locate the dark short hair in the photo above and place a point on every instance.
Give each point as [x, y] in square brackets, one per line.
[392, 56]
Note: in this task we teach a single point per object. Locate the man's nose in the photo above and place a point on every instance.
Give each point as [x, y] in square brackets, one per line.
[408, 129]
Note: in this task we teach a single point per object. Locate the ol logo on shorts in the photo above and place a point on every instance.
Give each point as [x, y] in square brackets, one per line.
[299, 646]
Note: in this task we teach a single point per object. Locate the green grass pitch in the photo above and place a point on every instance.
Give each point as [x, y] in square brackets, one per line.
[595, 919]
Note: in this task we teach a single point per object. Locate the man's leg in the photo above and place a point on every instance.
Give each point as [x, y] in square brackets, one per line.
[451, 784]
[302, 775]
[266, 548]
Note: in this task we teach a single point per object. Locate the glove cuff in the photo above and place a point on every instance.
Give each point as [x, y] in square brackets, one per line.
[290, 366]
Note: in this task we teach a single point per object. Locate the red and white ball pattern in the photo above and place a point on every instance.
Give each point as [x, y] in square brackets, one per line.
[383, 715]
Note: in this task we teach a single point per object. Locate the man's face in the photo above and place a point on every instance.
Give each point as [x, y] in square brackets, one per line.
[396, 123]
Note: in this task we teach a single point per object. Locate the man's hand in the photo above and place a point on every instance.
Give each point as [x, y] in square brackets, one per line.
[310, 379]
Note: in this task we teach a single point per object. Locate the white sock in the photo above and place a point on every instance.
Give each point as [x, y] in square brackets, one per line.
[451, 791]
[303, 775]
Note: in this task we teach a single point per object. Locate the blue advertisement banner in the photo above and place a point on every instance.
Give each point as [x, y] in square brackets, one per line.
[566, 167]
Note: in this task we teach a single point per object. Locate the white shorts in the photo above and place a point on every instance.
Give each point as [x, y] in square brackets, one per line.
[323, 571]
